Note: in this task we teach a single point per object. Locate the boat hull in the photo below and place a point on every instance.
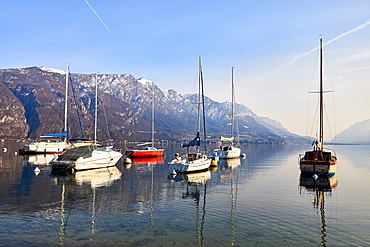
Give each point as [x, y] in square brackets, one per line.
[318, 167]
[318, 162]
[44, 148]
[230, 153]
[98, 159]
[180, 165]
[145, 153]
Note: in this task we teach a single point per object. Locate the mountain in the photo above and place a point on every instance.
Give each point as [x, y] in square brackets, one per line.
[276, 128]
[32, 103]
[358, 133]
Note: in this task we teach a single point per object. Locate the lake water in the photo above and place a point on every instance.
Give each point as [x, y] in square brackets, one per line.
[257, 201]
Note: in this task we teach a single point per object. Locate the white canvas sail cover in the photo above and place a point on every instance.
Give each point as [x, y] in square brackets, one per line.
[226, 139]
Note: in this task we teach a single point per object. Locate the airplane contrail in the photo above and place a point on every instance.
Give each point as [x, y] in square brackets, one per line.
[100, 19]
[295, 59]
[356, 29]
[111, 33]
[106, 27]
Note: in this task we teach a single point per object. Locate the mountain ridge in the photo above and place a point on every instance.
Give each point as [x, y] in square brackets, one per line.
[38, 98]
[357, 133]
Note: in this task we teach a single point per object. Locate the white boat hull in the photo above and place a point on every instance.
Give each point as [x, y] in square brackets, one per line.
[182, 164]
[230, 153]
[98, 159]
[45, 147]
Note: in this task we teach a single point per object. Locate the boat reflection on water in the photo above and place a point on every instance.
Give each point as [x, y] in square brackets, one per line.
[229, 163]
[95, 178]
[196, 189]
[74, 191]
[148, 160]
[38, 160]
[98, 177]
[230, 174]
[192, 178]
[319, 187]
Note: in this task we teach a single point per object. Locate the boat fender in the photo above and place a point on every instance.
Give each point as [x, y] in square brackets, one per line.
[213, 168]
[128, 161]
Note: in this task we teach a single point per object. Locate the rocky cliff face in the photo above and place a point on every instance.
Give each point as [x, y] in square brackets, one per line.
[32, 103]
[12, 115]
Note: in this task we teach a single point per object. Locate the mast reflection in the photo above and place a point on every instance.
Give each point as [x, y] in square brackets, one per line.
[195, 183]
[319, 187]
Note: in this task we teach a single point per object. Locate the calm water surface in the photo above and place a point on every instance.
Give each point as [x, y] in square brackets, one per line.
[257, 201]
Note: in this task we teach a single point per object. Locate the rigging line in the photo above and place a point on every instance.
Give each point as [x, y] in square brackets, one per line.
[77, 106]
[308, 95]
[314, 121]
[335, 126]
[111, 33]
[332, 86]
[327, 120]
[100, 101]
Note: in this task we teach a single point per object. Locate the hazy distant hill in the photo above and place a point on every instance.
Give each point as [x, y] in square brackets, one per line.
[357, 133]
[276, 128]
[32, 103]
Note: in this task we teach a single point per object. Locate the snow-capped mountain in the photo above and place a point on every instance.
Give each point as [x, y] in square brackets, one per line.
[124, 110]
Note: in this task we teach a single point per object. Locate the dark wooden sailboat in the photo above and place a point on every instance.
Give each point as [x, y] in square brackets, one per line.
[319, 161]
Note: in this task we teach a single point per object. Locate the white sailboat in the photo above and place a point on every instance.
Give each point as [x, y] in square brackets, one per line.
[227, 149]
[194, 160]
[51, 143]
[87, 157]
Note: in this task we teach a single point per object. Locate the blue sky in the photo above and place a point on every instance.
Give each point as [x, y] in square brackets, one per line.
[270, 44]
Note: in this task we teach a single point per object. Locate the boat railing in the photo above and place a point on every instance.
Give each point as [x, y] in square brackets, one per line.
[300, 157]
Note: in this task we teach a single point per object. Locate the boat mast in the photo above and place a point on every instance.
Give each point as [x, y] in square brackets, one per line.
[199, 97]
[232, 102]
[153, 115]
[65, 102]
[321, 127]
[204, 118]
[96, 106]
[201, 103]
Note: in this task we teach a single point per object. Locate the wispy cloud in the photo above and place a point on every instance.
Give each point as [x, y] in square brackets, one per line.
[365, 55]
[295, 59]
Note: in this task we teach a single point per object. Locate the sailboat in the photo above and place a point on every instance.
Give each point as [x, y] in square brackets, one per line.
[88, 156]
[147, 149]
[193, 160]
[319, 161]
[51, 143]
[227, 148]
